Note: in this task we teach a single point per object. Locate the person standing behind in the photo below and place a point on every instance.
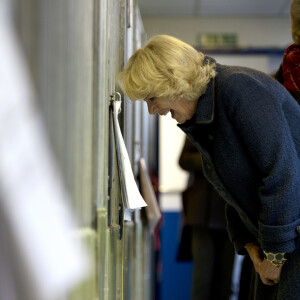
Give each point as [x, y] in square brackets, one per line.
[204, 234]
[289, 71]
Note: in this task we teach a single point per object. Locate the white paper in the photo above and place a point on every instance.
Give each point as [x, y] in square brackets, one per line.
[131, 195]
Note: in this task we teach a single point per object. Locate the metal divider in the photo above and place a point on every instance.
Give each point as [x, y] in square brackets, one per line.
[75, 50]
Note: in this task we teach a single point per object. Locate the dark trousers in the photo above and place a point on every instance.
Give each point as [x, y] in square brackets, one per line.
[245, 278]
[213, 256]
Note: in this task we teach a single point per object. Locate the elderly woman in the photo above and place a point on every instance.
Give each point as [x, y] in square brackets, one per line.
[246, 126]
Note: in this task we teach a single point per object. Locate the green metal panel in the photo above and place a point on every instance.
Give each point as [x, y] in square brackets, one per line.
[115, 197]
[102, 243]
[59, 40]
[128, 257]
[137, 260]
[75, 50]
[101, 101]
[87, 290]
[115, 264]
[148, 265]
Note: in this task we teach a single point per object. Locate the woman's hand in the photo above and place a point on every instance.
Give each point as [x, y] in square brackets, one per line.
[269, 274]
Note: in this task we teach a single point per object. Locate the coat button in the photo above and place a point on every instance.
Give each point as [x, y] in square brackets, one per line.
[208, 167]
[210, 137]
[298, 229]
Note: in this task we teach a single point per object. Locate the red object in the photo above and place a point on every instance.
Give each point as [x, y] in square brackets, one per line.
[291, 68]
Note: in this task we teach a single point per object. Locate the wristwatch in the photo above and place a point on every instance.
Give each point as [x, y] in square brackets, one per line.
[276, 259]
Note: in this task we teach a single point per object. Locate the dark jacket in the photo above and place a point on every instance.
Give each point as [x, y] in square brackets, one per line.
[202, 206]
[247, 128]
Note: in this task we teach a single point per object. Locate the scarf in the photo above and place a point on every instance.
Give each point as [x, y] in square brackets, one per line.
[291, 68]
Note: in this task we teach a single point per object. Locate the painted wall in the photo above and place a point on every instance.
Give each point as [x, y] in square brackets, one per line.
[251, 32]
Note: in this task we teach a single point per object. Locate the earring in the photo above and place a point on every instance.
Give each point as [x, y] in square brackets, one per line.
[181, 96]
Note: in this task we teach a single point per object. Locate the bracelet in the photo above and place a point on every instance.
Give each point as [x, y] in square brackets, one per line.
[276, 259]
[278, 263]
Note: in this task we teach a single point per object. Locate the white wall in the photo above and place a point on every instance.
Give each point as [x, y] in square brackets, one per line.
[171, 177]
[252, 32]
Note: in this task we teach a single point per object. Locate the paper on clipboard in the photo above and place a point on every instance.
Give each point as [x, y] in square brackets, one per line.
[132, 197]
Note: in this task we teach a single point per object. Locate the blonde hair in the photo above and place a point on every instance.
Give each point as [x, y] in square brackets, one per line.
[295, 21]
[166, 67]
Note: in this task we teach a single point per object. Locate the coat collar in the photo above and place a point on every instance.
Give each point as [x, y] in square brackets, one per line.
[206, 105]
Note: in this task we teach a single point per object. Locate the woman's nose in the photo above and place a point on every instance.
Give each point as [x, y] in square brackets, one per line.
[151, 108]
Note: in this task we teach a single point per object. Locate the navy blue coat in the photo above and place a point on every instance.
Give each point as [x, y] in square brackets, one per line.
[247, 128]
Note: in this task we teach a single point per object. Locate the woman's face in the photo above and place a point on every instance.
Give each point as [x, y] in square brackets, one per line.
[180, 108]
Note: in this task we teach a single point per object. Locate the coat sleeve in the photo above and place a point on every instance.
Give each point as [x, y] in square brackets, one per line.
[260, 118]
[238, 233]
